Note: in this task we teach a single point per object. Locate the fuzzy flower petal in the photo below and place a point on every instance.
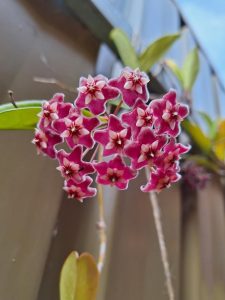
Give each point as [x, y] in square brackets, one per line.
[140, 116]
[81, 190]
[94, 93]
[45, 141]
[132, 84]
[72, 166]
[114, 138]
[146, 150]
[114, 172]
[76, 130]
[160, 179]
[168, 114]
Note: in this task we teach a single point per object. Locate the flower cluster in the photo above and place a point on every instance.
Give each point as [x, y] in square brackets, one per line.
[143, 137]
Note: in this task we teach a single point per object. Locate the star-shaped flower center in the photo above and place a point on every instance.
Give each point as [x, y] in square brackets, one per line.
[171, 114]
[92, 89]
[114, 175]
[69, 169]
[74, 192]
[149, 152]
[75, 129]
[40, 140]
[144, 118]
[117, 139]
[135, 80]
[49, 112]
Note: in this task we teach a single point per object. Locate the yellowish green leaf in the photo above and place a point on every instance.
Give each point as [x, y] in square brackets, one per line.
[124, 47]
[156, 50]
[197, 136]
[68, 278]
[190, 69]
[219, 141]
[79, 278]
[175, 70]
[23, 117]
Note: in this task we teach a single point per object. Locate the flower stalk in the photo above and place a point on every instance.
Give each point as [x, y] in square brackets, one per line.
[162, 244]
[101, 223]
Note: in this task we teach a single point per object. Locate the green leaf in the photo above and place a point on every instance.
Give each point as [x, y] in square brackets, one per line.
[204, 162]
[87, 280]
[156, 50]
[175, 69]
[219, 141]
[68, 278]
[116, 102]
[24, 117]
[197, 136]
[206, 118]
[79, 278]
[125, 49]
[190, 69]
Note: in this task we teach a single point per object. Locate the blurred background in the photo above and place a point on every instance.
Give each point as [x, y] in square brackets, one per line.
[63, 40]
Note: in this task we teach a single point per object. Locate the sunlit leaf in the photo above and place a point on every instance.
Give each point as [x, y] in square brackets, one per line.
[156, 50]
[190, 69]
[124, 47]
[219, 141]
[175, 70]
[24, 117]
[87, 280]
[197, 136]
[68, 278]
[79, 278]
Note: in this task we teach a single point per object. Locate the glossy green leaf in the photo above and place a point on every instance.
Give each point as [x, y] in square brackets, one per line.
[124, 47]
[190, 69]
[197, 136]
[79, 278]
[68, 278]
[175, 70]
[156, 50]
[24, 117]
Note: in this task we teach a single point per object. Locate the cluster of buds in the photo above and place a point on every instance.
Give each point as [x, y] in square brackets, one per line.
[143, 137]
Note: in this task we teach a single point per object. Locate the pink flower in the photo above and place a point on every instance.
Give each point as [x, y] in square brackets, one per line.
[160, 179]
[53, 110]
[72, 166]
[114, 172]
[76, 130]
[114, 138]
[146, 150]
[140, 116]
[80, 190]
[45, 142]
[172, 153]
[94, 93]
[132, 84]
[168, 114]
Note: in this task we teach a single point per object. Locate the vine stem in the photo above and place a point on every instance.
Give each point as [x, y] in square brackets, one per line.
[101, 224]
[162, 244]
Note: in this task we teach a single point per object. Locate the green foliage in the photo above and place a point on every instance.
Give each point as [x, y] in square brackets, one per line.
[189, 71]
[204, 162]
[24, 117]
[175, 69]
[148, 57]
[156, 50]
[124, 48]
[79, 278]
[197, 135]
